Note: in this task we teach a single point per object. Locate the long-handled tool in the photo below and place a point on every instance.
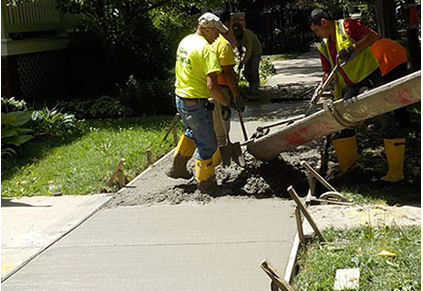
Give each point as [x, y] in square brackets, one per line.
[244, 131]
[263, 130]
[322, 87]
[230, 151]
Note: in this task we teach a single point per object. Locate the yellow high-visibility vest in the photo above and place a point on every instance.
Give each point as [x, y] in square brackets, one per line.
[357, 68]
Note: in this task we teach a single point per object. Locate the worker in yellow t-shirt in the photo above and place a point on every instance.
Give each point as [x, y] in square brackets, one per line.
[227, 80]
[196, 73]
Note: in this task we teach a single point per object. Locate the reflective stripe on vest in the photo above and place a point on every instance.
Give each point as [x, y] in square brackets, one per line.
[338, 80]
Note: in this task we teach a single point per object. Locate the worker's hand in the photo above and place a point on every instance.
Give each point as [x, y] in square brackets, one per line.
[345, 54]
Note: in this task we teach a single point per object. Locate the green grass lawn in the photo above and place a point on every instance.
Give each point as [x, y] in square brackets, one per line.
[358, 248]
[82, 163]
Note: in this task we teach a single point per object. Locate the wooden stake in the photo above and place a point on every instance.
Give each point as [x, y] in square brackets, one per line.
[172, 125]
[297, 200]
[115, 172]
[318, 177]
[149, 159]
[121, 178]
[299, 221]
[276, 279]
[175, 136]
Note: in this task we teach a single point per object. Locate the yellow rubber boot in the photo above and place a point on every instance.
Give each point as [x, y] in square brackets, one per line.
[184, 151]
[206, 178]
[217, 158]
[346, 152]
[394, 151]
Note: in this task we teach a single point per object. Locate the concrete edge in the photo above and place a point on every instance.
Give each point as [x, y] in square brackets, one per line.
[146, 171]
[66, 232]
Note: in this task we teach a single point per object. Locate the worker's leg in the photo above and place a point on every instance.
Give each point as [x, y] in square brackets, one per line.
[219, 127]
[345, 142]
[346, 152]
[394, 148]
[182, 155]
[402, 116]
[199, 123]
[395, 151]
[217, 123]
[254, 75]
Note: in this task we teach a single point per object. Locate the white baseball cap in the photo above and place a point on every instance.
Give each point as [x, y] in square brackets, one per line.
[210, 20]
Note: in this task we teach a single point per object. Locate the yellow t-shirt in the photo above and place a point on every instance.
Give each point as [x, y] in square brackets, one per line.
[195, 59]
[225, 54]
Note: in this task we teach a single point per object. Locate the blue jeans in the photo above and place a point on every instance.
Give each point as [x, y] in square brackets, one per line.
[198, 123]
[387, 121]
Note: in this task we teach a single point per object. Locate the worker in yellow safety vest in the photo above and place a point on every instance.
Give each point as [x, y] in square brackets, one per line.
[348, 42]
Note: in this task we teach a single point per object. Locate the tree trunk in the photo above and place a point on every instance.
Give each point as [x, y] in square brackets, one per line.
[412, 19]
[386, 19]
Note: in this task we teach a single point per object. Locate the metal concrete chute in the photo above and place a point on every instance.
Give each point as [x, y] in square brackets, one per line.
[338, 115]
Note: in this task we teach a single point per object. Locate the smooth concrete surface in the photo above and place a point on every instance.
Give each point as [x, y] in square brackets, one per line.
[218, 246]
[305, 69]
[31, 224]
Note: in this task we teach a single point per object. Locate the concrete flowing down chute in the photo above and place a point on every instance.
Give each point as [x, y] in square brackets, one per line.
[338, 115]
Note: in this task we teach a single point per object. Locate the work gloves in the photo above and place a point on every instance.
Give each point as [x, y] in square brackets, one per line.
[345, 54]
[238, 103]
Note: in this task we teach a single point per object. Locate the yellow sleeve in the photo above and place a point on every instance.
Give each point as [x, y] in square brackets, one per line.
[224, 52]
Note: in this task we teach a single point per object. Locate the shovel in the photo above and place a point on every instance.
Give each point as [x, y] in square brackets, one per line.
[230, 151]
[322, 87]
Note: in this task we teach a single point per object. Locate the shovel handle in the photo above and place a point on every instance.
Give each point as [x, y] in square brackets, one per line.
[320, 89]
[244, 131]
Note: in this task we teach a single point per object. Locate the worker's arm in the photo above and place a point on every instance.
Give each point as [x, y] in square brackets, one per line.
[215, 89]
[345, 54]
[366, 41]
[232, 79]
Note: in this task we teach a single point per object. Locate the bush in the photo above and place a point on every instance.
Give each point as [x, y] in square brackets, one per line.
[52, 122]
[13, 135]
[99, 108]
[266, 69]
[11, 104]
[148, 97]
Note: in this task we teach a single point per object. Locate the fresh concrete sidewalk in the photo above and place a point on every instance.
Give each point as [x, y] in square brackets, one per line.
[218, 246]
[187, 247]
[32, 224]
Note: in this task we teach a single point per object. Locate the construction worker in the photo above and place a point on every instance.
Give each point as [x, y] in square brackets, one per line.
[228, 82]
[348, 41]
[393, 61]
[251, 57]
[196, 70]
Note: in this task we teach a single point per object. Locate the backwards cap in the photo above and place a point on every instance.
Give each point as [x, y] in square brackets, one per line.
[210, 20]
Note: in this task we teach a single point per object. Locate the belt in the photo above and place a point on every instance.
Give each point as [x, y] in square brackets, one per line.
[192, 101]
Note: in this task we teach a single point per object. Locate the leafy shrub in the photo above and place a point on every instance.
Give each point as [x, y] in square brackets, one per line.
[102, 107]
[266, 68]
[52, 122]
[13, 134]
[11, 104]
[148, 97]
